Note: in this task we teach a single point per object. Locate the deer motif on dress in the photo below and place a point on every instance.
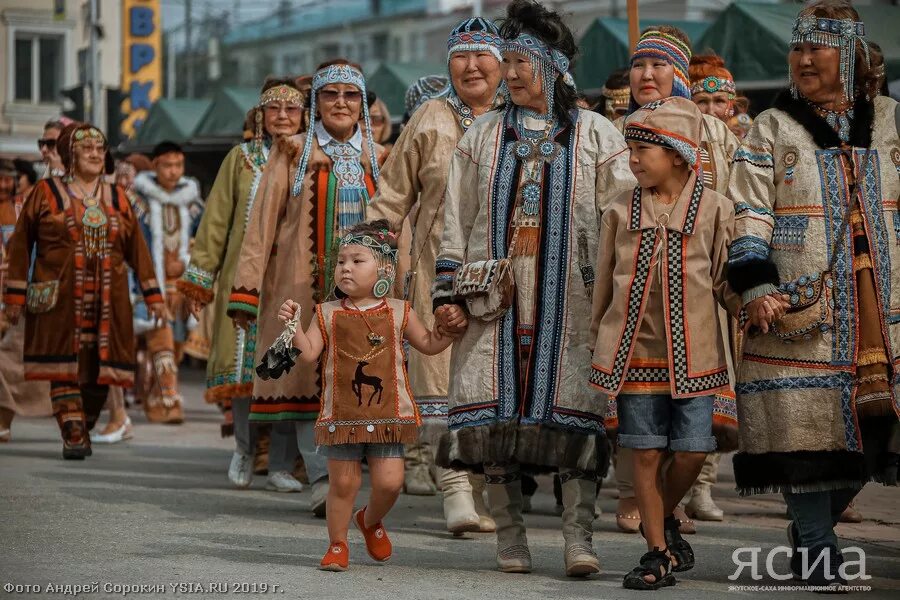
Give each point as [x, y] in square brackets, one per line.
[360, 379]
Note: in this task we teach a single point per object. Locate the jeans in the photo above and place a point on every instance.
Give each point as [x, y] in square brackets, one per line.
[816, 513]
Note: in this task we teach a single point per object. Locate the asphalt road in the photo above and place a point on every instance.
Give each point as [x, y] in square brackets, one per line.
[158, 511]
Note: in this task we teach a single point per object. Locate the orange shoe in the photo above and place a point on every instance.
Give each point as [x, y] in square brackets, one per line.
[378, 545]
[336, 559]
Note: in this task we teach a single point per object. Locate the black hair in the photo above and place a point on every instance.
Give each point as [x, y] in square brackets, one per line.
[165, 147]
[527, 16]
[24, 167]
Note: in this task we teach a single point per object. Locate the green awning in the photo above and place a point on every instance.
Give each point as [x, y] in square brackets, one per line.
[224, 117]
[173, 120]
[754, 38]
[604, 48]
[390, 81]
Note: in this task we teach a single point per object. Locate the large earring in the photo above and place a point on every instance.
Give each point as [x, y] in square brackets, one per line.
[385, 281]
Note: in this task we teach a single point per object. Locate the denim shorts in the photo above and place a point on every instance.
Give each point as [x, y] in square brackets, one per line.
[648, 421]
[358, 451]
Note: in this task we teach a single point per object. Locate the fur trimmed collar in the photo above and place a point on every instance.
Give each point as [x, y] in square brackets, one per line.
[186, 192]
[822, 133]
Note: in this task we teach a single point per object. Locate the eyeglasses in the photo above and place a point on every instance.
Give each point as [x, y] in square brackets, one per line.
[377, 119]
[331, 96]
[49, 142]
[289, 109]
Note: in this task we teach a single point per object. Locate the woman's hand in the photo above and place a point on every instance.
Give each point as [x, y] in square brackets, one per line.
[159, 313]
[288, 310]
[195, 306]
[765, 310]
[13, 313]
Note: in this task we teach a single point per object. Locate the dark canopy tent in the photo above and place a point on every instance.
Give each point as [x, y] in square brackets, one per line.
[224, 117]
[390, 80]
[604, 48]
[754, 40]
[173, 120]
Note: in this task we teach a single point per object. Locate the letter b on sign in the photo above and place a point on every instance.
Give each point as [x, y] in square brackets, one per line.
[141, 21]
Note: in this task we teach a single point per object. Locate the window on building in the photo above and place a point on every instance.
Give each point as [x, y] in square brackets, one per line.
[38, 68]
[380, 46]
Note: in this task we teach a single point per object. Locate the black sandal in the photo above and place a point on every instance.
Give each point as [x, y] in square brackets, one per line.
[680, 550]
[656, 563]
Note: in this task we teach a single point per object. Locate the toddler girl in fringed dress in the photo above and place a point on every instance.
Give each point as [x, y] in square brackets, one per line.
[367, 408]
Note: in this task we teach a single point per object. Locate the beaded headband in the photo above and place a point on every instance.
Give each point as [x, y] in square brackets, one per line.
[424, 89]
[549, 62]
[475, 35]
[331, 75]
[833, 33]
[90, 132]
[377, 243]
[281, 93]
[713, 84]
[656, 44]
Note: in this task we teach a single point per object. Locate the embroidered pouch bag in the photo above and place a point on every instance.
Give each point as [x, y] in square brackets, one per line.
[488, 287]
[41, 297]
[811, 310]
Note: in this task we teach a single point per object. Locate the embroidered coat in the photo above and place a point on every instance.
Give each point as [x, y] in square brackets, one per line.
[366, 396]
[799, 429]
[552, 420]
[286, 254]
[690, 258]
[416, 173]
[26, 398]
[214, 259]
[47, 224]
[717, 147]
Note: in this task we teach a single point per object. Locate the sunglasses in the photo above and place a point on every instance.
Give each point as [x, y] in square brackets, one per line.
[377, 119]
[49, 142]
[331, 96]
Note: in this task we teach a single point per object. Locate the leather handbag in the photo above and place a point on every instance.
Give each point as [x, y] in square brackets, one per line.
[487, 286]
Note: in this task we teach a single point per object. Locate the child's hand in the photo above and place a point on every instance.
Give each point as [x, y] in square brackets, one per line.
[288, 310]
[452, 319]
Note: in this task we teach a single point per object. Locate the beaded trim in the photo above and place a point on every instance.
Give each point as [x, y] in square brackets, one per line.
[688, 150]
[475, 35]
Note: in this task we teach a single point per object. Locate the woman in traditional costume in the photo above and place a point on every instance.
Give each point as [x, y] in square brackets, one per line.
[659, 69]
[17, 396]
[78, 324]
[815, 186]
[416, 176]
[527, 183]
[316, 186]
[214, 260]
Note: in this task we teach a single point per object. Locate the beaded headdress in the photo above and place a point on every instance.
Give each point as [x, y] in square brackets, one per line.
[475, 35]
[713, 84]
[424, 89]
[833, 33]
[79, 132]
[667, 47]
[331, 75]
[549, 62]
[616, 99]
[385, 255]
[673, 123]
[277, 93]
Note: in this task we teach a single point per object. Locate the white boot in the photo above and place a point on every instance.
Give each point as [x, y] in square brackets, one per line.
[578, 497]
[505, 501]
[486, 523]
[700, 504]
[459, 506]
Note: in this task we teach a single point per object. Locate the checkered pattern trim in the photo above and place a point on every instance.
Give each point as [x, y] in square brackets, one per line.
[611, 381]
[684, 383]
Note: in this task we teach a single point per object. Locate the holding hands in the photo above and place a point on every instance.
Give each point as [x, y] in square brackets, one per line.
[450, 320]
[765, 310]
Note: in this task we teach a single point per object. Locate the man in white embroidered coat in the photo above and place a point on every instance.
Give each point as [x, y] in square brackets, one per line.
[169, 209]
